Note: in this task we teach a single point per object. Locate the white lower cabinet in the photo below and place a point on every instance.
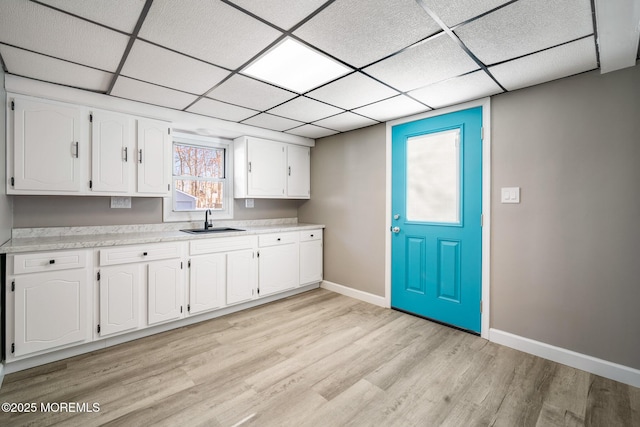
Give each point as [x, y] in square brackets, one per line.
[119, 298]
[310, 256]
[207, 276]
[242, 276]
[165, 293]
[139, 286]
[278, 263]
[49, 307]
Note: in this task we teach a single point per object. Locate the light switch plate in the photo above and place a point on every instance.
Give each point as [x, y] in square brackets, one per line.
[248, 203]
[510, 195]
[121, 202]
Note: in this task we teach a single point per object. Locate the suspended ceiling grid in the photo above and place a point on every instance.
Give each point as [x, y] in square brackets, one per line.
[403, 56]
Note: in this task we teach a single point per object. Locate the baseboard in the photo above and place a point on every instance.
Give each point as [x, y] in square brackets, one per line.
[354, 293]
[1, 373]
[614, 371]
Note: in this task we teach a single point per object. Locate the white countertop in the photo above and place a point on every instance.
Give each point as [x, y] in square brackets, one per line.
[93, 237]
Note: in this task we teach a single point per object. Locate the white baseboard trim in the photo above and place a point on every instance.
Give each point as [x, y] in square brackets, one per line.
[354, 293]
[604, 368]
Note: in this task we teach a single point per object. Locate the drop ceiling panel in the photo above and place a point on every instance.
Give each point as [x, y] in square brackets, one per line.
[354, 90]
[166, 68]
[392, 108]
[453, 12]
[220, 110]
[345, 121]
[283, 13]
[40, 67]
[269, 121]
[454, 91]
[551, 64]
[119, 14]
[251, 93]
[41, 29]
[432, 61]
[361, 32]
[151, 94]
[312, 131]
[526, 26]
[209, 30]
[305, 110]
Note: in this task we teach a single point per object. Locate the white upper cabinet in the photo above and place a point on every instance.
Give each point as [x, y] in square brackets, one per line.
[111, 152]
[298, 171]
[47, 147]
[154, 157]
[270, 169]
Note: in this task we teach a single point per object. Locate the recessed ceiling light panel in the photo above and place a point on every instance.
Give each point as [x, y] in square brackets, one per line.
[294, 66]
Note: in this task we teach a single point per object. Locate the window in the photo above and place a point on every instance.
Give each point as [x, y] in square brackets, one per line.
[201, 179]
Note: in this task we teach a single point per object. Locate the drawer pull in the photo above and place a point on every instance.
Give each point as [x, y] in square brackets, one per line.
[144, 254]
[278, 239]
[312, 235]
[52, 261]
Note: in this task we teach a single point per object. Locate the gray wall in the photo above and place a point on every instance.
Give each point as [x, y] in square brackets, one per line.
[5, 202]
[69, 211]
[348, 196]
[565, 266]
[565, 262]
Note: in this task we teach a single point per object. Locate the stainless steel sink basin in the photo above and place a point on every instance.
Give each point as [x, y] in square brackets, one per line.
[211, 230]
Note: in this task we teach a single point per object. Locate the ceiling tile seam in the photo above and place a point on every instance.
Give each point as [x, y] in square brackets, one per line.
[145, 102]
[242, 66]
[541, 50]
[595, 31]
[311, 124]
[311, 99]
[337, 114]
[289, 118]
[58, 84]
[284, 35]
[132, 39]
[183, 54]
[482, 15]
[400, 92]
[56, 58]
[409, 47]
[459, 42]
[80, 17]
[3, 64]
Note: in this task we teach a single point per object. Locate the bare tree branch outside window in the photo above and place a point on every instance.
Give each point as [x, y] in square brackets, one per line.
[198, 177]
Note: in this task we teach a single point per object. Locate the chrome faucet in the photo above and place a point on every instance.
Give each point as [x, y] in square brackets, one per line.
[206, 219]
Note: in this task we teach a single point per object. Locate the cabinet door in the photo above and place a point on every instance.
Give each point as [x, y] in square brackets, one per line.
[278, 268]
[241, 276]
[50, 310]
[46, 147]
[154, 157]
[165, 295]
[207, 277]
[310, 262]
[298, 171]
[119, 298]
[111, 150]
[266, 168]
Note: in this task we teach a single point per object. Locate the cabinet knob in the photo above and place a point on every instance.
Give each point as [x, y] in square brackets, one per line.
[144, 254]
[312, 235]
[278, 239]
[52, 261]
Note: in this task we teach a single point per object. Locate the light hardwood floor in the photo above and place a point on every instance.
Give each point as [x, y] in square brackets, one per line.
[319, 359]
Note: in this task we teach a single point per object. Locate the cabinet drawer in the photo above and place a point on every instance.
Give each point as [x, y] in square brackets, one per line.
[48, 261]
[309, 235]
[277, 239]
[127, 254]
[221, 244]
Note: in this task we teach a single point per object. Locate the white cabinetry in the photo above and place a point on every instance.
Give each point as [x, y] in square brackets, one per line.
[154, 157]
[139, 286]
[47, 301]
[278, 262]
[310, 256]
[222, 271]
[270, 169]
[111, 151]
[46, 147]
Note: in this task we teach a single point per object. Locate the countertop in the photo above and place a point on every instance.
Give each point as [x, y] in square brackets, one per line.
[46, 239]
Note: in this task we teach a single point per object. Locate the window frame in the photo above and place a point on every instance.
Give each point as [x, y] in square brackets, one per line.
[171, 215]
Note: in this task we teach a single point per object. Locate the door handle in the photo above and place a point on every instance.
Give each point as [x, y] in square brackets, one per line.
[396, 230]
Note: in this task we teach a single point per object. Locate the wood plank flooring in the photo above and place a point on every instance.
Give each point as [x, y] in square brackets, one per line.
[318, 359]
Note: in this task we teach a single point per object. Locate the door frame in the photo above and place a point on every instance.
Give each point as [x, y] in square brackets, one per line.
[485, 103]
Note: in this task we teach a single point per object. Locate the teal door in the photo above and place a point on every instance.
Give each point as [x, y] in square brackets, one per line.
[436, 249]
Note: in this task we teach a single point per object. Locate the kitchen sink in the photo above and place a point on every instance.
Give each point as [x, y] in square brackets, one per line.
[211, 230]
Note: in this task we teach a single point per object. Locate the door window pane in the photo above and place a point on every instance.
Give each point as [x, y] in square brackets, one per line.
[433, 177]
